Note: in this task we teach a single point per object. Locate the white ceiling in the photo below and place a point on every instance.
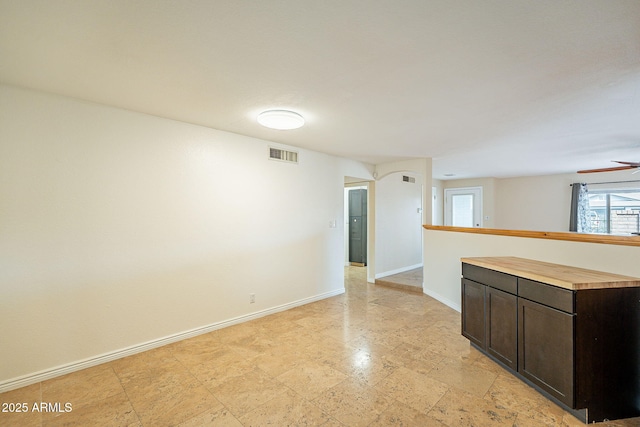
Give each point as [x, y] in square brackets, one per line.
[486, 88]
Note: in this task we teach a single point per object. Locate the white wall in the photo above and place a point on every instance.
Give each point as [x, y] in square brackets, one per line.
[421, 166]
[398, 224]
[119, 229]
[443, 250]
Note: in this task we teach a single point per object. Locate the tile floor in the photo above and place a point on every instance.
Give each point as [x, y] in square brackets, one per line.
[374, 356]
[409, 280]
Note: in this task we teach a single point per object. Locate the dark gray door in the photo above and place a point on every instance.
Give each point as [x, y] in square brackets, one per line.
[358, 226]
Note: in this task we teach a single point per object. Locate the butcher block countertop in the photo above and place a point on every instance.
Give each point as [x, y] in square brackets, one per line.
[607, 239]
[572, 278]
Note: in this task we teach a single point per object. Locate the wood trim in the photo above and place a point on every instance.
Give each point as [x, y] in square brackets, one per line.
[606, 239]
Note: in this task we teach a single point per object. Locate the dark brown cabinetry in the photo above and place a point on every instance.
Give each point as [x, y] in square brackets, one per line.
[581, 348]
[490, 312]
[545, 345]
[473, 296]
[502, 327]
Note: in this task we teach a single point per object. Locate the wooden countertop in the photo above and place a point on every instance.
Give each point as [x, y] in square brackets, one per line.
[607, 239]
[564, 276]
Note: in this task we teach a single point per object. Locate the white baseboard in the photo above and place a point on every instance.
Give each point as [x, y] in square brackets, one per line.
[398, 271]
[139, 348]
[443, 300]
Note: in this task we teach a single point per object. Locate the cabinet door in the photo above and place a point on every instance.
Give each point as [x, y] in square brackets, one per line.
[473, 326]
[502, 327]
[546, 349]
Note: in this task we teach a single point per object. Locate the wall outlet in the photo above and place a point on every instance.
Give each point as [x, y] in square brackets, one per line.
[252, 298]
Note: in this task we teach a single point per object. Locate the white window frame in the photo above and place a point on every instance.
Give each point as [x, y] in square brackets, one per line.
[607, 191]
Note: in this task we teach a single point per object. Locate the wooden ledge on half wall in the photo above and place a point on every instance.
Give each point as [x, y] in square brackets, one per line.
[607, 239]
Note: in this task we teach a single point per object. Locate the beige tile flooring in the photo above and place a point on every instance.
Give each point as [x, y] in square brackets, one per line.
[409, 280]
[374, 356]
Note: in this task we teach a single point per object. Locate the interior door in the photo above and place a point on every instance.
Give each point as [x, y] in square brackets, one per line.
[463, 207]
[358, 226]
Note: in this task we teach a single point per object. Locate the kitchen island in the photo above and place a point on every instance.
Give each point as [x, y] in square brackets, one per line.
[572, 333]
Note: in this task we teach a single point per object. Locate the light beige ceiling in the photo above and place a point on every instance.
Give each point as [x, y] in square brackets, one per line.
[485, 88]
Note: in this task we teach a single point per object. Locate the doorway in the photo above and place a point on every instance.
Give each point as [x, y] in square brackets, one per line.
[358, 227]
[463, 207]
[351, 184]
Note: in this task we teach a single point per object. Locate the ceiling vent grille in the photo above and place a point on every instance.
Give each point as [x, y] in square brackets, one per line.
[283, 155]
[410, 179]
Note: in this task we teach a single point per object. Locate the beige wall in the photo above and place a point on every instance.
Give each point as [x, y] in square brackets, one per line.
[539, 203]
[437, 197]
[534, 203]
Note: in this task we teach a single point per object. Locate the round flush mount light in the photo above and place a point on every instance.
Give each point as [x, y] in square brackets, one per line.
[280, 119]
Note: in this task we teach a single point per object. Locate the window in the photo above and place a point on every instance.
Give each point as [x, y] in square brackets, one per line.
[614, 211]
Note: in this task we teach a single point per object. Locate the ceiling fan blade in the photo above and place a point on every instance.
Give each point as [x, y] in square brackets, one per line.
[617, 168]
[634, 164]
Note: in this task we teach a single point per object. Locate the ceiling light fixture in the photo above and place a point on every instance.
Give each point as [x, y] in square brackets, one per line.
[280, 119]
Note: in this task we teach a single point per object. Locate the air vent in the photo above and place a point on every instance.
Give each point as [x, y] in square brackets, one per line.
[283, 155]
[410, 179]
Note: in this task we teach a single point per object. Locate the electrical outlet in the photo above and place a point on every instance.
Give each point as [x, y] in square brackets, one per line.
[252, 298]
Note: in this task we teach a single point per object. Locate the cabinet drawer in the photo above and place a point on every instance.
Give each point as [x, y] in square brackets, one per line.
[552, 296]
[495, 279]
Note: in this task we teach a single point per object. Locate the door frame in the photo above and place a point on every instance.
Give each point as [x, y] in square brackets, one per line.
[477, 203]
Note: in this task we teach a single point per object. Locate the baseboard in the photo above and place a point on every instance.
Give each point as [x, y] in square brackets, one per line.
[398, 271]
[445, 301]
[47, 374]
